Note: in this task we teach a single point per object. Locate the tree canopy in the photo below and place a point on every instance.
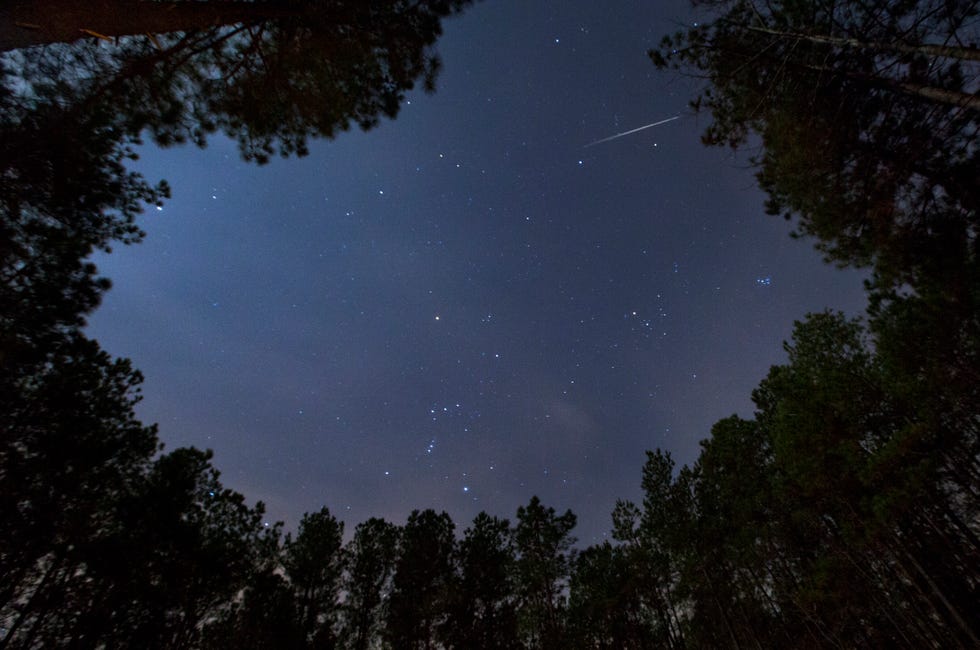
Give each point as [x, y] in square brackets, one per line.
[843, 513]
[270, 75]
[867, 115]
[111, 542]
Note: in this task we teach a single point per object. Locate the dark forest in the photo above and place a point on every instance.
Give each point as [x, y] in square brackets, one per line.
[844, 514]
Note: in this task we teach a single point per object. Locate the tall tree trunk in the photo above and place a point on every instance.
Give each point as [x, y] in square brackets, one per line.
[930, 592]
[721, 609]
[944, 96]
[945, 51]
[940, 95]
[24, 23]
[35, 608]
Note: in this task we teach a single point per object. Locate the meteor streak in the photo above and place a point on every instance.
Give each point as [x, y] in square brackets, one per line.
[619, 135]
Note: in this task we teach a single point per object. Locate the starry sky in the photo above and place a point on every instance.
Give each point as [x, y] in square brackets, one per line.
[468, 306]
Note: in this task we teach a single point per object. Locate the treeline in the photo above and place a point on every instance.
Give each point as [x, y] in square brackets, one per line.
[844, 514]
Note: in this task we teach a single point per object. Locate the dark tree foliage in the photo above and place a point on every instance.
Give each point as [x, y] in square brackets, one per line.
[264, 617]
[483, 610]
[420, 592]
[370, 564]
[270, 75]
[606, 608]
[313, 566]
[868, 118]
[831, 519]
[106, 542]
[846, 512]
[184, 547]
[105, 545]
[64, 192]
[843, 514]
[650, 538]
[71, 451]
[543, 541]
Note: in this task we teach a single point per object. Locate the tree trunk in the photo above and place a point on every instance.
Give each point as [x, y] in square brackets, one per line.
[37, 601]
[945, 51]
[24, 23]
[944, 96]
[953, 611]
[939, 95]
[721, 609]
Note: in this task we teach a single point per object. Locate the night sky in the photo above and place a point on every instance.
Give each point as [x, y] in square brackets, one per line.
[467, 306]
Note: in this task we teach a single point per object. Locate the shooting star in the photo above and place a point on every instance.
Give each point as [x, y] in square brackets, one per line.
[619, 135]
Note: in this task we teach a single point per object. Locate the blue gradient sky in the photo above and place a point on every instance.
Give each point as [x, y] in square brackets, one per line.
[466, 307]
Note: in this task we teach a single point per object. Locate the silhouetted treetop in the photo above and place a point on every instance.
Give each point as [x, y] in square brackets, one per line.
[269, 74]
[72, 114]
[868, 116]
